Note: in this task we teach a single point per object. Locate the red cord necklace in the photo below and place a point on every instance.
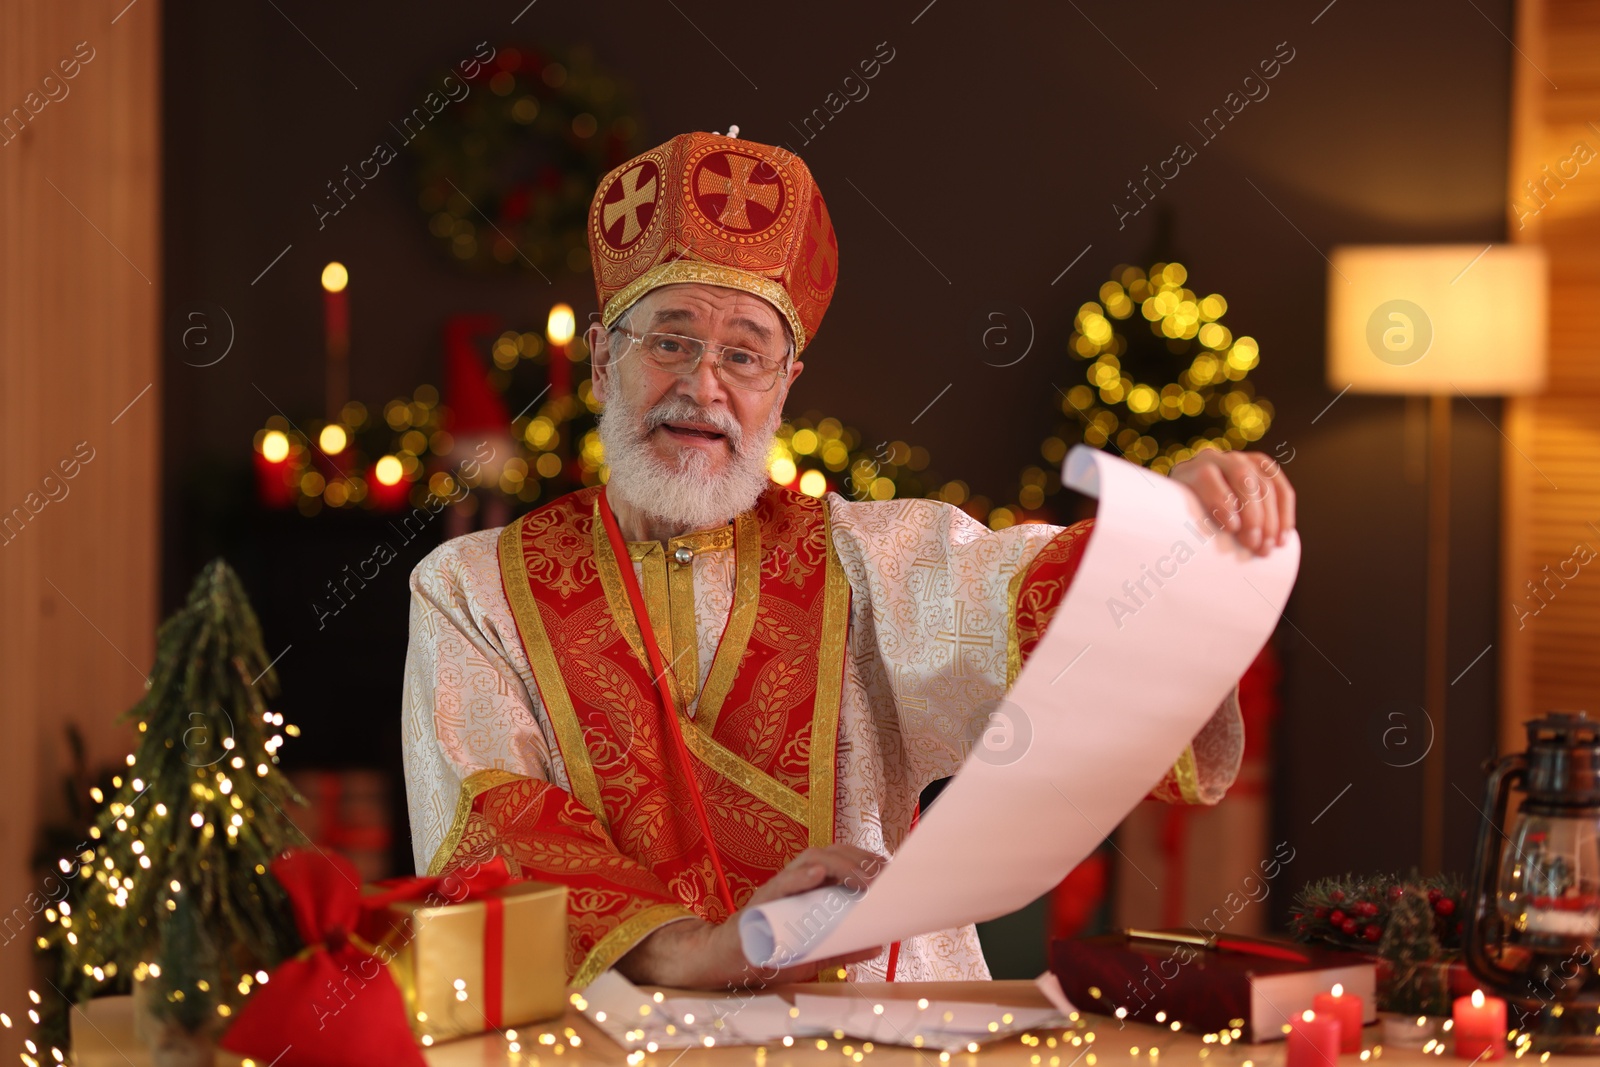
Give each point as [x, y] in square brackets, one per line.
[630, 581]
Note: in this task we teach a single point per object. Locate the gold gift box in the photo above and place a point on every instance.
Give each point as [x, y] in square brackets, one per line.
[436, 954]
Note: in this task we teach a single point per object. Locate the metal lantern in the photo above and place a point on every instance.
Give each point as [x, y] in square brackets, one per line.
[1535, 919]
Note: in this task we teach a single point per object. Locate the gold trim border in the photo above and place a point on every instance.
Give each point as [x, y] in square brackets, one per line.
[623, 937]
[546, 673]
[1187, 773]
[742, 773]
[473, 786]
[682, 271]
[1013, 643]
[830, 688]
[684, 662]
[741, 623]
[610, 571]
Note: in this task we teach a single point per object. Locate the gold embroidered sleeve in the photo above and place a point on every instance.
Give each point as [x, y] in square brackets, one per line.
[930, 586]
[464, 706]
[1210, 764]
[613, 902]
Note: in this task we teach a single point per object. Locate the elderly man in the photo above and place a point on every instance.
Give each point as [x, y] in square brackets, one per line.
[693, 689]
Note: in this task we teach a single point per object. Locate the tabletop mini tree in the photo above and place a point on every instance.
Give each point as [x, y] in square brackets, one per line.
[1412, 984]
[172, 888]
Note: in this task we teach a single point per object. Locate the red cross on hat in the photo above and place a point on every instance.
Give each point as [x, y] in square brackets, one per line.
[715, 210]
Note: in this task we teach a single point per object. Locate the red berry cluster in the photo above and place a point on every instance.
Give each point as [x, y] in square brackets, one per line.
[1352, 913]
[1351, 921]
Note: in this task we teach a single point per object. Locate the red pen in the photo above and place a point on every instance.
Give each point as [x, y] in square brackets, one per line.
[1216, 943]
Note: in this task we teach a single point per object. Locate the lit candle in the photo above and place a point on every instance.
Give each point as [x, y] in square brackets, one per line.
[1313, 1041]
[336, 328]
[387, 485]
[1479, 1023]
[274, 470]
[1348, 1009]
[560, 328]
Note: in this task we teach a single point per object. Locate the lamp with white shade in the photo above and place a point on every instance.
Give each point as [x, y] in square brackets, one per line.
[1437, 320]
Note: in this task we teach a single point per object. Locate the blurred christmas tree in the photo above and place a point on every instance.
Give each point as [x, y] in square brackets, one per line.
[173, 889]
[1412, 984]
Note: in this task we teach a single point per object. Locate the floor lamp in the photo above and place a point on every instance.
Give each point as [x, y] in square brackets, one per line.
[1437, 321]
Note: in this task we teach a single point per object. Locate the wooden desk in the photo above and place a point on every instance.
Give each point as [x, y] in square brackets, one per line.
[106, 1040]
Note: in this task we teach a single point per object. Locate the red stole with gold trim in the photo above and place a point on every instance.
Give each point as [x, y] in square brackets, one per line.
[762, 736]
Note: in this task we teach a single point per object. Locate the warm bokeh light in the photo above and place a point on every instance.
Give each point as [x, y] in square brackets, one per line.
[333, 439]
[562, 325]
[388, 470]
[1117, 410]
[1471, 320]
[275, 446]
[813, 483]
[782, 470]
[335, 277]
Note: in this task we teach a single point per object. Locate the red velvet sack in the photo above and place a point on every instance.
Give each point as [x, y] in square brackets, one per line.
[334, 1003]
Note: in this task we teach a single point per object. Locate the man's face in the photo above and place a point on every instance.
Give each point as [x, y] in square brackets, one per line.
[705, 408]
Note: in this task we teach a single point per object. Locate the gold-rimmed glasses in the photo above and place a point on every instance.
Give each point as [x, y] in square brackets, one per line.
[735, 365]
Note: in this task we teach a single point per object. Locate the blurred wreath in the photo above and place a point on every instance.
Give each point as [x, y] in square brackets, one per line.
[505, 174]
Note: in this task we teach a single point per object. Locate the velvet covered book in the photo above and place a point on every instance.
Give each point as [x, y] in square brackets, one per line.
[1207, 984]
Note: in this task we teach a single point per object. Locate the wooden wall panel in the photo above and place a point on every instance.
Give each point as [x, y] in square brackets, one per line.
[80, 262]
[1551, 633]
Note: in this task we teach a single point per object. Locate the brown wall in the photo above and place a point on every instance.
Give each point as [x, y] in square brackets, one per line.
[994, 144]
[80, 293]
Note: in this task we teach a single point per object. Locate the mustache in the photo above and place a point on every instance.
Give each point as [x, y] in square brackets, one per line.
[682, 409]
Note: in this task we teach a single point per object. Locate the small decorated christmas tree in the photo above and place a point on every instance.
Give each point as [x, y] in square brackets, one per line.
[173, 890]
[1412, 983]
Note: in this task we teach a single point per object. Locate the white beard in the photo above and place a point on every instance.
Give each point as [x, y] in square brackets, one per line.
[686, 494]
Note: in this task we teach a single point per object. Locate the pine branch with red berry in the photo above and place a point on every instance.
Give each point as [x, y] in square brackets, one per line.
[1354, 912]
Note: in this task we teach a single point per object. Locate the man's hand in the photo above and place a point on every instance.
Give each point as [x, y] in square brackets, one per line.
[1246, 491]
[693, 954]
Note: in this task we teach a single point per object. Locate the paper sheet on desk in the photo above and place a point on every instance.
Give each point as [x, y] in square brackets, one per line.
[1115, 690]
[637, 1020]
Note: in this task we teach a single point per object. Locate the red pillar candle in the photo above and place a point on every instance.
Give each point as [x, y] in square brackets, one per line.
[335, 309]
[1479, 1023]
[560, 372]
[274, 470]
[1348, 1009]
[387, 486]
[336, 329]
[1313, 1041]
[560, 329]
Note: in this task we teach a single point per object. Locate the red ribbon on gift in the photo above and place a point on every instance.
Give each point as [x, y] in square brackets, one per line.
[458, 887]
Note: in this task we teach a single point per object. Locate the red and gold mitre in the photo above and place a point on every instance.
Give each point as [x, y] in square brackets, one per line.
[717, 211]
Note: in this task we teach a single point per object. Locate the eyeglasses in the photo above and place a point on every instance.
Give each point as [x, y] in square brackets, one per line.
[738, 367]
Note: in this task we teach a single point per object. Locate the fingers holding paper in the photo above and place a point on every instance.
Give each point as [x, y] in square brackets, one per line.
[693, 954]
[815, 868]
[854, 868]
[1247, 492]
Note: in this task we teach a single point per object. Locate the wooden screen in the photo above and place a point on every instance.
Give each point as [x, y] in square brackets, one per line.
[1550, 655]
[80, 285]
